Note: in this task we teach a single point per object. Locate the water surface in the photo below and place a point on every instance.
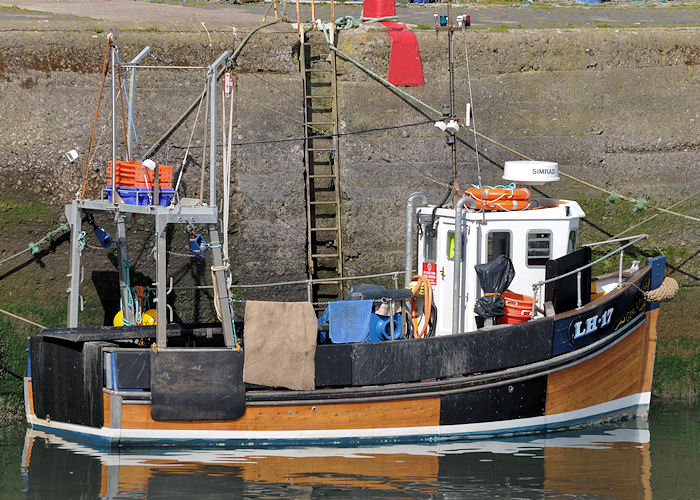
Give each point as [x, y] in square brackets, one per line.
[622, 461]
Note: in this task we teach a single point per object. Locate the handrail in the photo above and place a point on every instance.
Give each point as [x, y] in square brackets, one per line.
[616, 240]
[536, 286]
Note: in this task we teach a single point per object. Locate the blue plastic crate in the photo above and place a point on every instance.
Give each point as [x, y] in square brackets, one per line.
[130, 196]
[141, 196]
[165, 195]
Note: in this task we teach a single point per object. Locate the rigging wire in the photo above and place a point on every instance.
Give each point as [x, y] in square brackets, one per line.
[325, 136]
[268, 108]
[279, 89]
[473, 127]
[207, 96]
[121, 100]
[97, 111]
[159, 142]
[428, 107]
[189, 142]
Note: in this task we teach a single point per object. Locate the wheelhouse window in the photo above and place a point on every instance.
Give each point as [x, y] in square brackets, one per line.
[498, 244]
[539, 248]
[429, 243]
[571, 246]
[451, 245]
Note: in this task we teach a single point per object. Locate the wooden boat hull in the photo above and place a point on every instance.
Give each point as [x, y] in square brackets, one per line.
[567, 382]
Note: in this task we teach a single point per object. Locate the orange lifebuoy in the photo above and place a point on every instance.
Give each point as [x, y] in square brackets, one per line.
[489, 193]
[503, 205]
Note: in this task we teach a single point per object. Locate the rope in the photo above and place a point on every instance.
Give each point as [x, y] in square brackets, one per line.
[82, 241]
[664, 293]
[97, 111]
[226, 168]
[22, 319]
[217, 301]
[121, 100]
[378, 19]
[588, 184]
[486, 138]
[126, 264]
[346, 23]
[656, 215]
[34, 247]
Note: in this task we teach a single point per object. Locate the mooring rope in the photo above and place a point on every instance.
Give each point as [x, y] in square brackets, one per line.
[34, 247]
[22, 319]
[438, 113]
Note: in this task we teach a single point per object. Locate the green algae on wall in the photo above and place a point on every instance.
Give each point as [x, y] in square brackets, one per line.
[677, 367]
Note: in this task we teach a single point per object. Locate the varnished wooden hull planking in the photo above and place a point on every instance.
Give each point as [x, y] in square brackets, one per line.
[312, 417]
[622, 370]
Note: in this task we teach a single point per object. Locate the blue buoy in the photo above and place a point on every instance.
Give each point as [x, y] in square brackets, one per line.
[103, 237]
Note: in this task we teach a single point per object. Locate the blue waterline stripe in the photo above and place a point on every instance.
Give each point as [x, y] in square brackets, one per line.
[107, 442]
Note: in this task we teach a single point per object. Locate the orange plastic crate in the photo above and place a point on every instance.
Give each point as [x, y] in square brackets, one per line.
[131, 174]
[518, 308]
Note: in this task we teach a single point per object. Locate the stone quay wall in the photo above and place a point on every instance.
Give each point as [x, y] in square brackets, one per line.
[618, 108]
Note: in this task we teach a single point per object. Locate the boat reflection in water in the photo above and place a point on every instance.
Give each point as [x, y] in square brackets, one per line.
[604, 462]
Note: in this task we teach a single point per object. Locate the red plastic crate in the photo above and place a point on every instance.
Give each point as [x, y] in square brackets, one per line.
[518, 308]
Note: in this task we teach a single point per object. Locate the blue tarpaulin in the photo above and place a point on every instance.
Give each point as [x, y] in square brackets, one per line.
[348, 321]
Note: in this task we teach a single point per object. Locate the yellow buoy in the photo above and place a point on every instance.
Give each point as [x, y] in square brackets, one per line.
[149, 317]
[118, 319]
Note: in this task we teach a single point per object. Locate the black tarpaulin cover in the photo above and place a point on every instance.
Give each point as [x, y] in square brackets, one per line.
[494, 277]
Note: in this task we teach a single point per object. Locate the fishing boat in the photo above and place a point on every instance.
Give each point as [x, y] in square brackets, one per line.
[501, 329]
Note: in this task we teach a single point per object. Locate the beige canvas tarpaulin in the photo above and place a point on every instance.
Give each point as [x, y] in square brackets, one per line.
[280, 344]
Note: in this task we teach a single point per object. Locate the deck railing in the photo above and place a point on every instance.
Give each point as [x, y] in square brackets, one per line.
[631, 240]
[308, 282]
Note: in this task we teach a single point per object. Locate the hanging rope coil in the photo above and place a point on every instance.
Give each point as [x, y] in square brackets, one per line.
[346, 23]
[664, 293]
[217, 302]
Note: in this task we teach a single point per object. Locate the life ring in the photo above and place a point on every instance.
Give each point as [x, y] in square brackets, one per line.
[498, 193]
[503, 205]
[427, 308]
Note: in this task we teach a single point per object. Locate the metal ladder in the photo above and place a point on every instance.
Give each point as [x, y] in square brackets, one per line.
[321, 160]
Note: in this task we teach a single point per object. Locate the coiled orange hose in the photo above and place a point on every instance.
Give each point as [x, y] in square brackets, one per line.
[427, 308]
